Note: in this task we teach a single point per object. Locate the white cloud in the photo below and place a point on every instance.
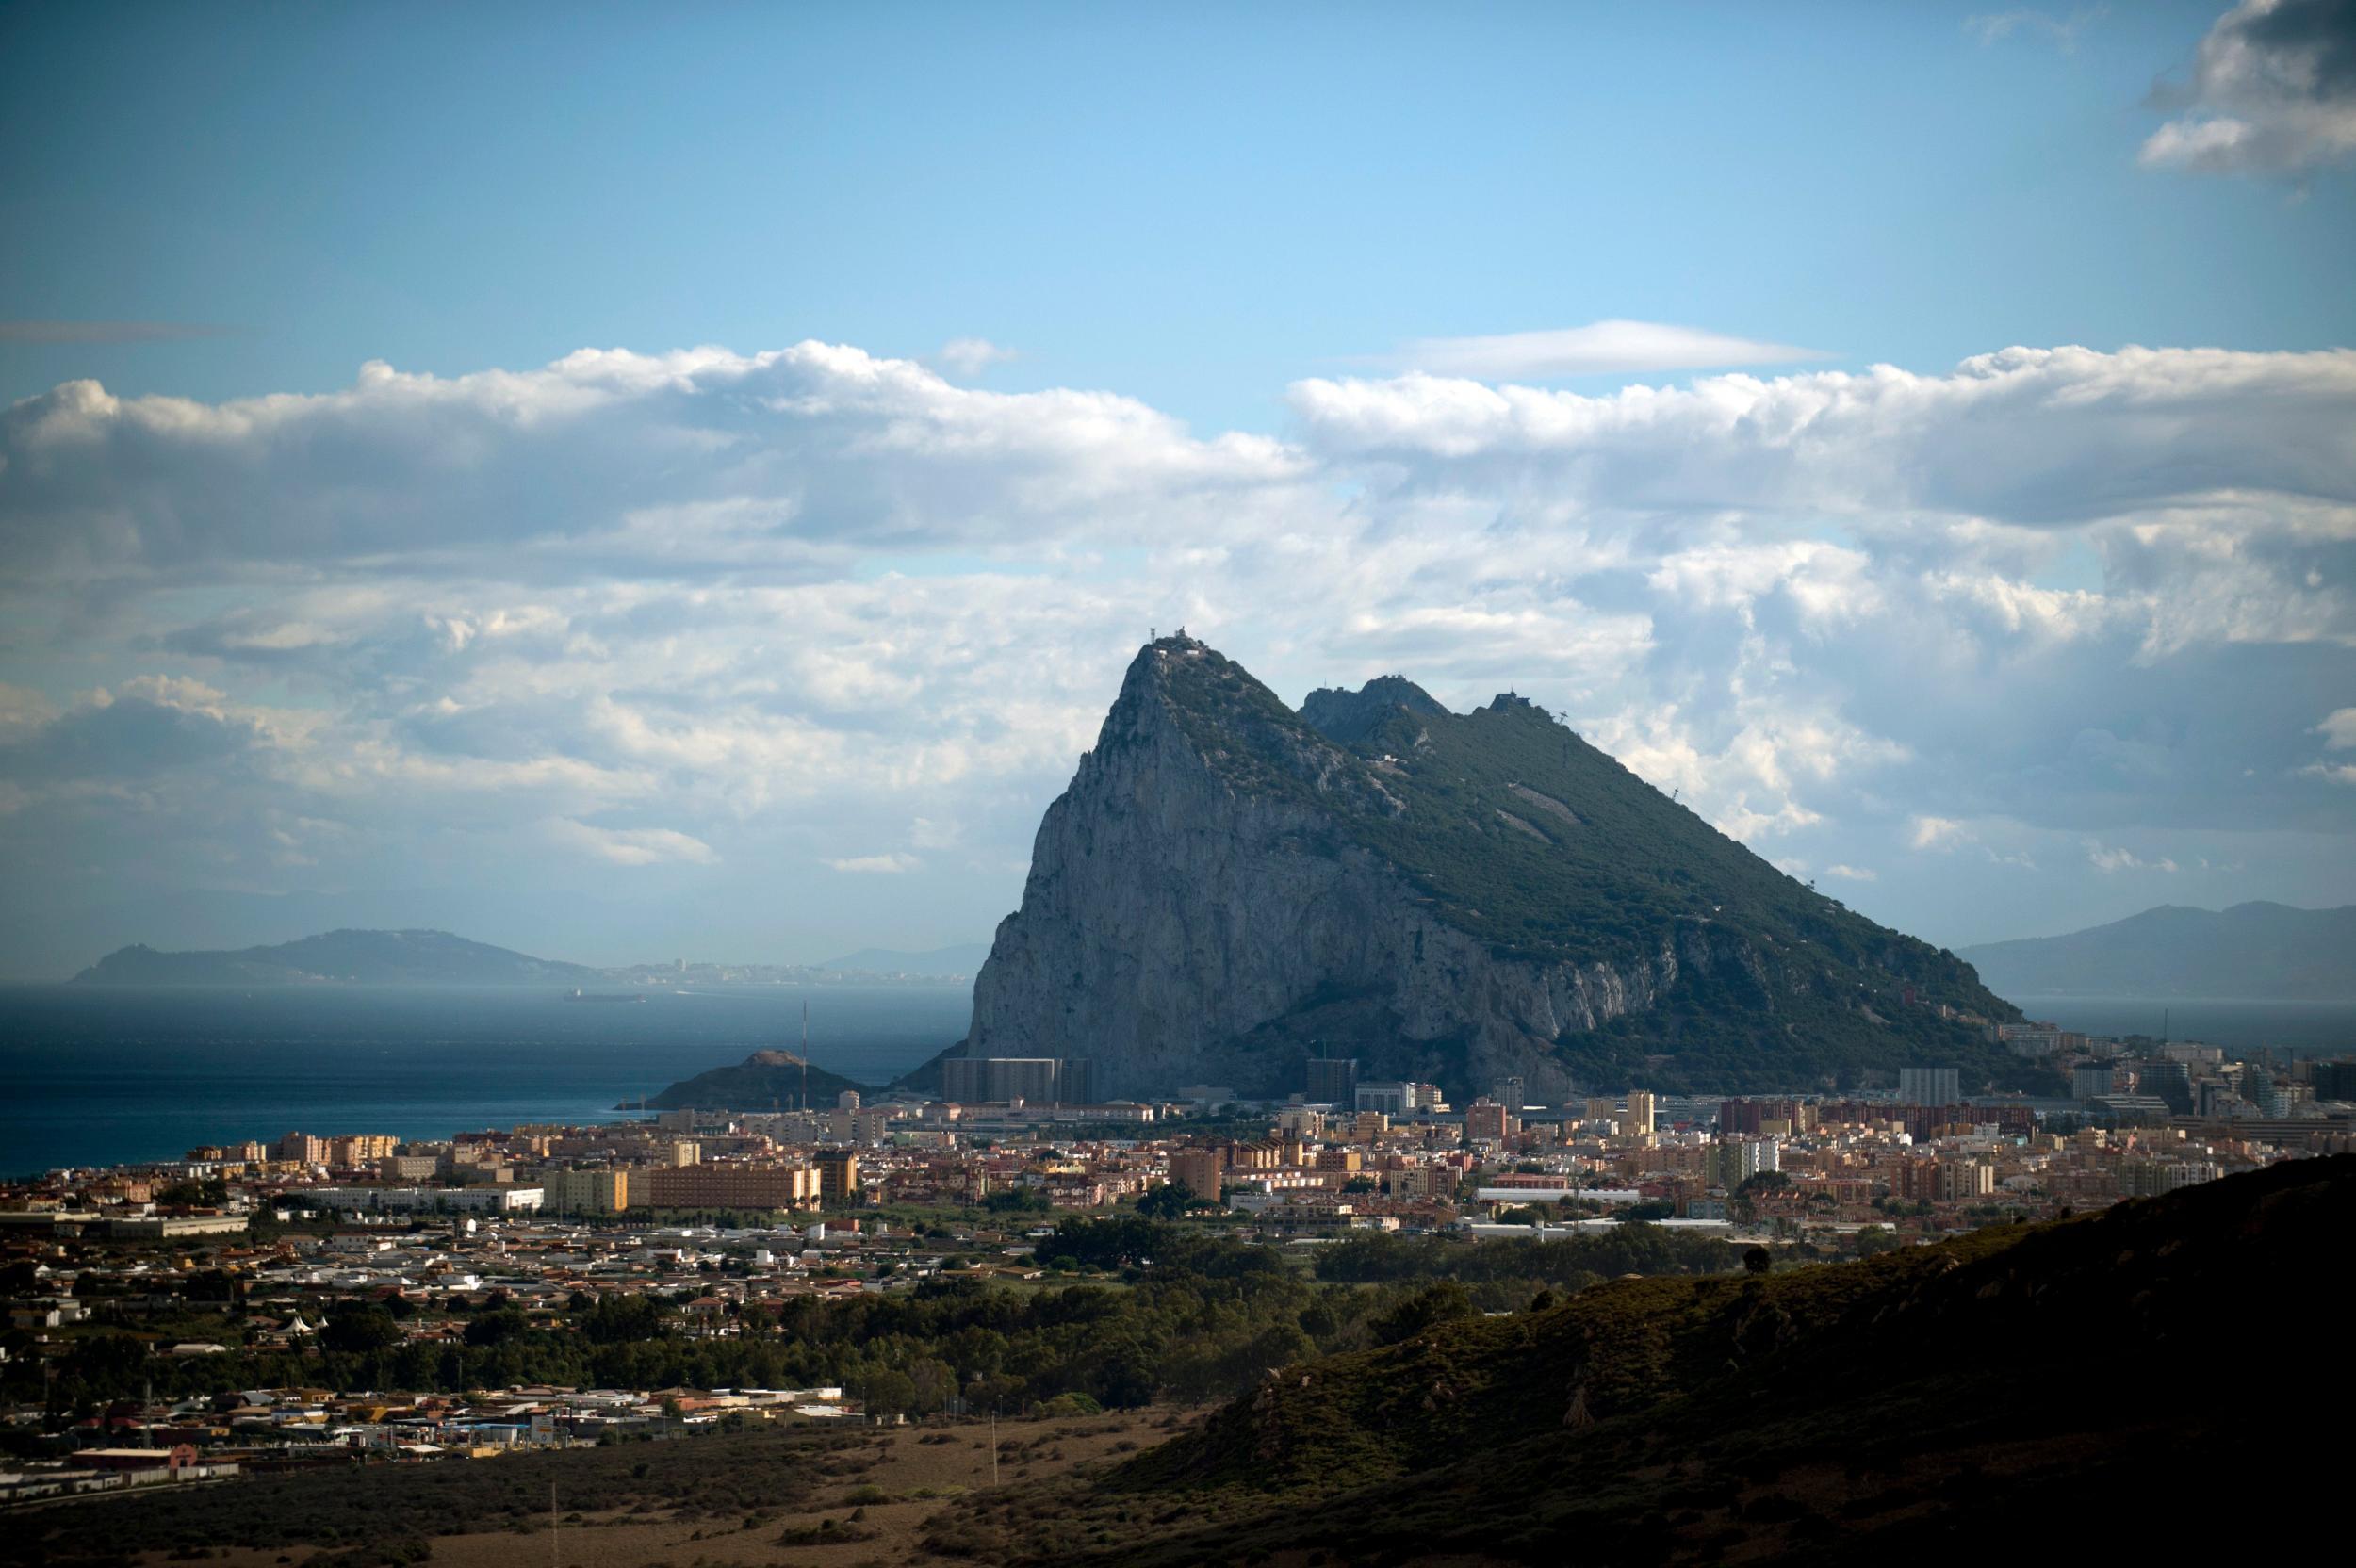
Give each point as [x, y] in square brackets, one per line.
[632, 847]
[2063, 32]
[1598, 347]
[1936, 833]
[969, 357]
[2273, 91]
[2025, 436]
[1853, 873]
[697, 460]
[783, 603]
[2106, 859]
[890, 864]
[2339, 730]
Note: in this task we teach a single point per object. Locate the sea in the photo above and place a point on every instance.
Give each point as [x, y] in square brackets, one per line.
[109, 1075]
[2296, 1028]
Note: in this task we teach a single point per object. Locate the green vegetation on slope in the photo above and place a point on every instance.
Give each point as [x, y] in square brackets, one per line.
[762, 1080]
[1848, 1411]
[1151, 1311]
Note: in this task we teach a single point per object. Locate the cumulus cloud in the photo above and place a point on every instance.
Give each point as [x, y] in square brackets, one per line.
[632, 847]
[699, 459]
[2107, 859]
[147, 726]
[2027, 437]
[1598, 347]
[2062, 32]
[1853, 873]
[1936, 832]
[2339, 730]
[2272, 90]
[890, 864]
[969, 357]
[733, 615]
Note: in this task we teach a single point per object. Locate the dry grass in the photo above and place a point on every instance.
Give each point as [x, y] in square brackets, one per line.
[887, 1488]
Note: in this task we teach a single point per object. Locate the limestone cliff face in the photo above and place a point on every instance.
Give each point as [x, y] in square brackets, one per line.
[1224, 890]
[1174, 922]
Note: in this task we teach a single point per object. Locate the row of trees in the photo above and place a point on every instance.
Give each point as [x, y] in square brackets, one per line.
[1190, 1315]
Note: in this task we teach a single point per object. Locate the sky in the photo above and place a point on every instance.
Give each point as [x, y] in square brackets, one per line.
[629, 482]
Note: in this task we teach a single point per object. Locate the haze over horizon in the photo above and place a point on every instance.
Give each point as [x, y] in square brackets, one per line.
[620, 495]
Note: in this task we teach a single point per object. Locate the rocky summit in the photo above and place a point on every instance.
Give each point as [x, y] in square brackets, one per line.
[1229, 887]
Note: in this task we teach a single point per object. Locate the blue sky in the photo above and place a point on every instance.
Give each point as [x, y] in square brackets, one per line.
[341, 583]
[1195, 206]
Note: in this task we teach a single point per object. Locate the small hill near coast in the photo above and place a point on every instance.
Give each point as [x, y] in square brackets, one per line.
[767, 1080]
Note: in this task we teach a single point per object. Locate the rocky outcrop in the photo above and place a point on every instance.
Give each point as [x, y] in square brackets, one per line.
[764, 1081]
[1176, 929]
[1213, 899]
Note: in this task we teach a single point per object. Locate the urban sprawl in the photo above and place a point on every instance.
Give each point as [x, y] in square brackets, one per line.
[736, 1224]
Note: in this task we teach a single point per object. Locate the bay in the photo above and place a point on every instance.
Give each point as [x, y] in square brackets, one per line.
[112, 1074]
[2301, 1028]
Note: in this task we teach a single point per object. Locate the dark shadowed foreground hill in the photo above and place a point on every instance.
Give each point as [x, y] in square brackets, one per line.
[2004, 1391]
[2268, 952]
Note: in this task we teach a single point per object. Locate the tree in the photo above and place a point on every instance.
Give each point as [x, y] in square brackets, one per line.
[498, 1327]
[1436, 1303]
[1166, 1201]
[353, 1330]
[1758, 1260]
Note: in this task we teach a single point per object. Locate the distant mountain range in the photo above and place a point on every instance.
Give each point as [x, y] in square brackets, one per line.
[368, 958]
[2250, 951]
[418, 958]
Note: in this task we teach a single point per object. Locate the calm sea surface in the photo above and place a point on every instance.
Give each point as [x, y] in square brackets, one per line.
[2306, 1028]
[106, 1075]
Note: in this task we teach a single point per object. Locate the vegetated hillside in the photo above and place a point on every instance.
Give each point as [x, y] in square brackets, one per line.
[2262, 951]
[1227, 887]
[762, 1081]
[372, 957]
[2002, 1384]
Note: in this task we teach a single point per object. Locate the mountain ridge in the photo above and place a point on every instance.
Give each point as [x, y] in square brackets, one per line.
[1225, 888]
[2256, 949]
[415, 956]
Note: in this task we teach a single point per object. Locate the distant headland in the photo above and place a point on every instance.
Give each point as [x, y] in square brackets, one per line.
[422, 957]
